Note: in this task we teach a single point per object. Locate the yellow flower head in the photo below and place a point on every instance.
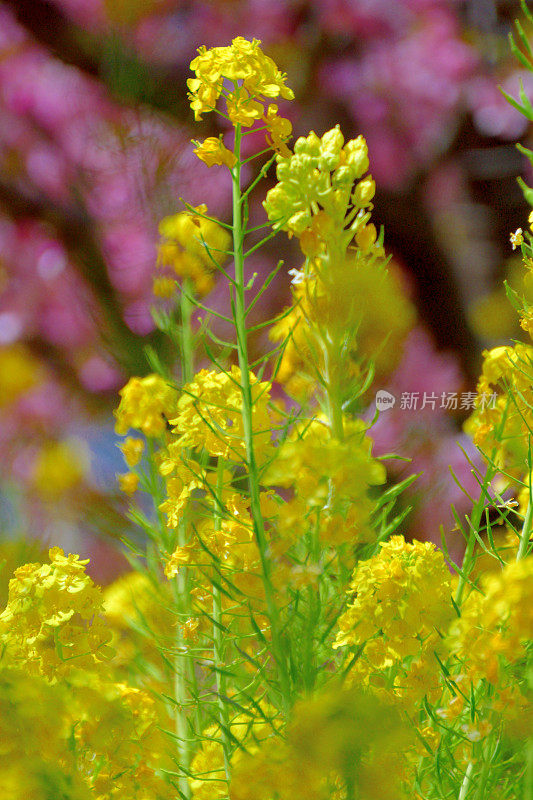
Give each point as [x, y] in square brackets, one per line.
[329, 476]
[129, 482]
[497, 623]
[255, 77]
[192, 245]
[132, 450]
[145, 405]
[52, 621]
[279, 131]
[20, 371]
[503, 415]
[210, 414]
[402, 594]
[59, 468]
[164, 286]
[36, 758]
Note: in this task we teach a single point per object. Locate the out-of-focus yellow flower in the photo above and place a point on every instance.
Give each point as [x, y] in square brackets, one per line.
[337, 739]
[36, 761]
[145, 405]
[59, 467]
[213, 152]
[163, 286]
[20, 371]
[249, 729]
[362, 296]
[192, 245]
[128, 482]
[132, 450]
[329, 478]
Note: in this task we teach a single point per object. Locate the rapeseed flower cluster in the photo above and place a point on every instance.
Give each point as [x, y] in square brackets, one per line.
[52, 622]
[208, 416]
[247, 79]
[496, 623]
[193, 245]
[501, 428]
[399, 611]
[329, 482]
[69, 730]
[347, 305]
[146, 405]
[340, 743]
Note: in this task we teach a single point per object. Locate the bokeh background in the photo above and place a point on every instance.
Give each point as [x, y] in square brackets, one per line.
[95, 149]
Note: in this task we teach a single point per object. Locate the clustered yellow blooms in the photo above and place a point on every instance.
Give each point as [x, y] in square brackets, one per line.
[341, 743]
[247, 732]
[52, 620]
[35, 759]
[246, 78]
[228, 549]
[344, 295]
[496, 623]
[366, 299]
[401, 605]
[209, 415]
[207, 418]
[330, 481]
[501, 428]
[59, 467]
[193, 245]
[315, 197]
[145, 405]
[69, 731]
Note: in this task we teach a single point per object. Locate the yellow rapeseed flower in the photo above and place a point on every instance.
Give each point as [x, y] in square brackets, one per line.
[242, 61]
[145, 405]
[52, 624]
[193, 245]
[213, 152]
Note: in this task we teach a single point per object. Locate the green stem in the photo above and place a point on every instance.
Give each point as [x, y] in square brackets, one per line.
[186, 338]
[333, 395]
[184, 672]
[526, 531]
[465, 786]
[218, 641]
[247, 408]
[475, 522]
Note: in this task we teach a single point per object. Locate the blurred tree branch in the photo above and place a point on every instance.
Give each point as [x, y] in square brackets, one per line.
[75, 228]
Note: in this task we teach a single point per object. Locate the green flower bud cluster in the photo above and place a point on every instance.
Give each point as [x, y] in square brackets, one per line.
[319, 176]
